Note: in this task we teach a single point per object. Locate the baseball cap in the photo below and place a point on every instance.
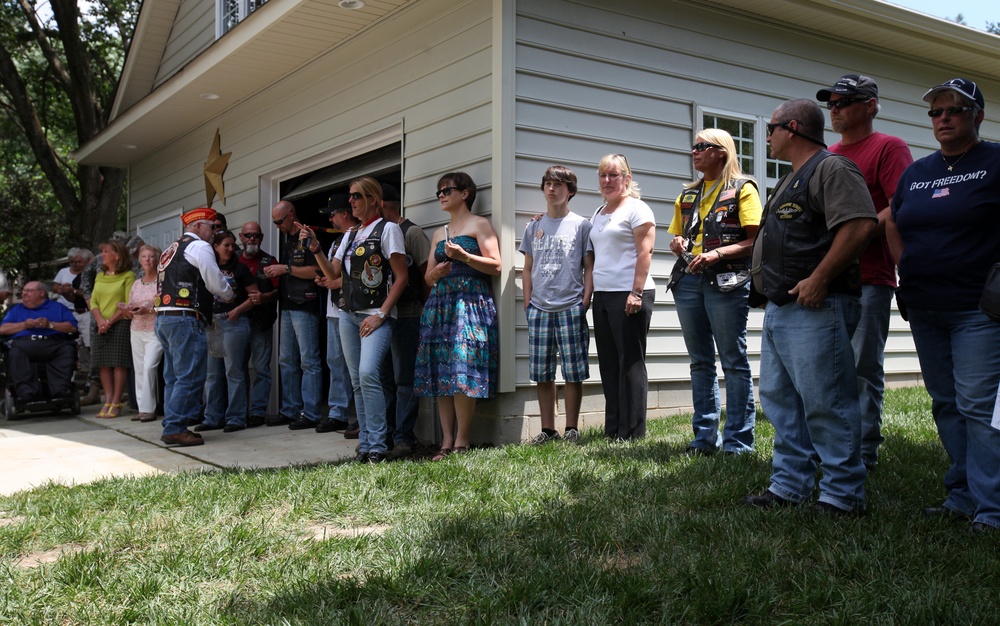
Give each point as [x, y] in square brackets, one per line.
[962, 87]
[850, 85]
[336, 202]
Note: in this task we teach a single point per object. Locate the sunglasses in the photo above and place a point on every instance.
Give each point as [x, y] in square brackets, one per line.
[844, 102]
[282, 220]
[701, 146]
[355, 195]
[933, 113]
[444, 191]
[772, 127]
[253, 235]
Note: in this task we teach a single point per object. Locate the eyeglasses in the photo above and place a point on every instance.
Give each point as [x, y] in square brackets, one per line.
[935, 113]
[701, 146]
[844, 102]
[356, 196]
[444, 191]
[218, 226]
[282, 220]
[253, 235]
[772, 127]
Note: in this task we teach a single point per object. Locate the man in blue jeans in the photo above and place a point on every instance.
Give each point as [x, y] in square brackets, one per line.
[188, 278]
[298, 353]
[805, 260]
[262, 317]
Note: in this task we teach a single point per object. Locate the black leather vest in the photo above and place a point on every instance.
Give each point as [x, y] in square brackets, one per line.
[297, 290]
[721, 227]
[794, 239]
[368, 284]
[263, 316]
[180, 284]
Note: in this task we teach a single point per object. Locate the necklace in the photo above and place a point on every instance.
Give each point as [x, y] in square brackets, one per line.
[952, 165]
[607, 220]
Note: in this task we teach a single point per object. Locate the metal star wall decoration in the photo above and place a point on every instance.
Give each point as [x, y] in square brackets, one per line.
[215, 167]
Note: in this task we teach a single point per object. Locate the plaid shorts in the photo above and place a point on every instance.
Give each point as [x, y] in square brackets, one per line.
[566, 331]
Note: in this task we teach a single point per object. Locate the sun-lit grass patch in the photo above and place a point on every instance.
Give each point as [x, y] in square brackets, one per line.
[595, 533]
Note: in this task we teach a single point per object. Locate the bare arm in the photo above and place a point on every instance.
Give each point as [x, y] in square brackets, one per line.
[526, 280]
[850, 239]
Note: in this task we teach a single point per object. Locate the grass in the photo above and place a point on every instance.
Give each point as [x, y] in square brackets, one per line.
[599, 533]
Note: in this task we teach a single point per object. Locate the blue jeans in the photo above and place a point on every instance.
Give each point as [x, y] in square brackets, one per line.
[809, 392]
[364, 359]
[405, 341]
[709, 320]
[869, 354]
[959, 355]
[185, 351]
[261, 348]
[301, 368]
[339, 397]
[226, 376]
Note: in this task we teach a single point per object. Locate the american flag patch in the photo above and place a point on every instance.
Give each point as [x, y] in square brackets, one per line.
[941, 193]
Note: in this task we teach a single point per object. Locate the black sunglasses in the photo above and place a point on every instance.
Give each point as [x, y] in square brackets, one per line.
[772, 127]
[949, 110]
[844, 102]
[701, 146]
[253, 235]
[355, 195]
[444, 191]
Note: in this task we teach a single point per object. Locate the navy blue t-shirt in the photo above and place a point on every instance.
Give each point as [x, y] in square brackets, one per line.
[949, 225]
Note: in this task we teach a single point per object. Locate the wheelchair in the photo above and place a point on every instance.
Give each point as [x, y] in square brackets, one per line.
[12, 408]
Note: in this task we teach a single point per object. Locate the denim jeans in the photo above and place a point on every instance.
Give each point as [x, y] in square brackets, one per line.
[226, 377]
[869, 355]
[300, 365]
[261, 348]
[185, 352]
[809, 392]
[959, 355]
[339, 397]
[364, 359]
[709, 320]
[405, 341]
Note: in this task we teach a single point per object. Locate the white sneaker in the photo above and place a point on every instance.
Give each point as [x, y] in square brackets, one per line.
[572, 435]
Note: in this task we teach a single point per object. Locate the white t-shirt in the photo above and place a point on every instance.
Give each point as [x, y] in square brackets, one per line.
[65, 277]
[392, 243]
[613, 243]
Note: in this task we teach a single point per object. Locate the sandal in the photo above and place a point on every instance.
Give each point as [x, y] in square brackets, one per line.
[103, 413]
[147, 417]
[442, 454]
[460, 449]
[136, 417]
[114, 410]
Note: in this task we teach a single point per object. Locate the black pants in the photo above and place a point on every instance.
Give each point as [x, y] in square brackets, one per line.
[58, 356]
[621, 355]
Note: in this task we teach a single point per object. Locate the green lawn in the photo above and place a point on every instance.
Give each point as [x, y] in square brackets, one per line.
[592, 534]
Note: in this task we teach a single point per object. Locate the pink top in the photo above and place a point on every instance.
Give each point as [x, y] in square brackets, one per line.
[142, 295]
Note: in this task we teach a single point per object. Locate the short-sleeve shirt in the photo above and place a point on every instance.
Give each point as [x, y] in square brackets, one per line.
[613, 242]
[749, 207]
[557, 247]
[49, 309]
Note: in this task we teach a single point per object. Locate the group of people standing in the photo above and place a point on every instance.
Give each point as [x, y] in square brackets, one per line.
[821, 258]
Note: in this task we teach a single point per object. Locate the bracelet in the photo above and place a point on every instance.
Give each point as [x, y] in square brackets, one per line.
[719, 252]
[637, 294]
[314, 250]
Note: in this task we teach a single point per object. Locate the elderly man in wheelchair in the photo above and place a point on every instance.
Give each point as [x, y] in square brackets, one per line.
[42, 332]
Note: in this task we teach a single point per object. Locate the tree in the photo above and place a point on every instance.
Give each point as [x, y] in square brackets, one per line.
[58, 74]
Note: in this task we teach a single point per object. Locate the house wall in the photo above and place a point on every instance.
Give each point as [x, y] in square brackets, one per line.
[632, 77]
[193, 31]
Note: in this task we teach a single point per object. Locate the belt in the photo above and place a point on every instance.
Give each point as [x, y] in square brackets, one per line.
[177, 313]
[40, 337]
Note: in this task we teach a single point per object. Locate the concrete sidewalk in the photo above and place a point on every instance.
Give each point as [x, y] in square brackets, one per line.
[70, 450]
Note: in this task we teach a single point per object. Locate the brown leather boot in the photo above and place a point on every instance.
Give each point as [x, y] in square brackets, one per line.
[92, 397]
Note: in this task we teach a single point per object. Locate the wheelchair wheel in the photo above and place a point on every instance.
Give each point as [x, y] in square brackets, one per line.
[9, 408]
[74, 408]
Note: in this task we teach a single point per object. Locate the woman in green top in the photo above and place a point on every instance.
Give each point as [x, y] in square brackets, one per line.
[111, 349]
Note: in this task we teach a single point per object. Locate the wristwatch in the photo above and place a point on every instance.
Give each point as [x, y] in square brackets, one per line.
[381, 315]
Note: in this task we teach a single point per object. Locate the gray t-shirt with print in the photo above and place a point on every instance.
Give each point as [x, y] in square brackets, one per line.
[557, 247]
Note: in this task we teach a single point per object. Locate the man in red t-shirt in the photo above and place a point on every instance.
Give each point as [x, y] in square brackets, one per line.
[853, 104]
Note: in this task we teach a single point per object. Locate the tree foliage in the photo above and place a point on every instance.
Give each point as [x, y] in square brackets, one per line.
[59, 68]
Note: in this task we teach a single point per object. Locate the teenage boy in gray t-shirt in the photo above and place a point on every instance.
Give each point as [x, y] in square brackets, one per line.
[558, 284]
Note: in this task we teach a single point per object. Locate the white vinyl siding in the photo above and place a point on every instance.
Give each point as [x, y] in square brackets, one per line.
[192, 32]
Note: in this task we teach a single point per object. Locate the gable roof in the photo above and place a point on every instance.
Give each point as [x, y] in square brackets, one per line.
[283, 35]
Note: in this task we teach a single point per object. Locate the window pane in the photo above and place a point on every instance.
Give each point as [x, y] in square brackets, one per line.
[743, 135]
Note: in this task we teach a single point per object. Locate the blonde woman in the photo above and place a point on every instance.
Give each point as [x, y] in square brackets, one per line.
[622, 236]
[715, 221]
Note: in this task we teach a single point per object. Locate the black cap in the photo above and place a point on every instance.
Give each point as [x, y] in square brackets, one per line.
[389, 193]
[336, 202]
[962, 87]
[850, 85]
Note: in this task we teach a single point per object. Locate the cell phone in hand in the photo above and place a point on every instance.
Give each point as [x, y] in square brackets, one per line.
[447, 237]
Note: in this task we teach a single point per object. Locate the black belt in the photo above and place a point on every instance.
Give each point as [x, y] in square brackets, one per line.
[41, 337]
[178, 313]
